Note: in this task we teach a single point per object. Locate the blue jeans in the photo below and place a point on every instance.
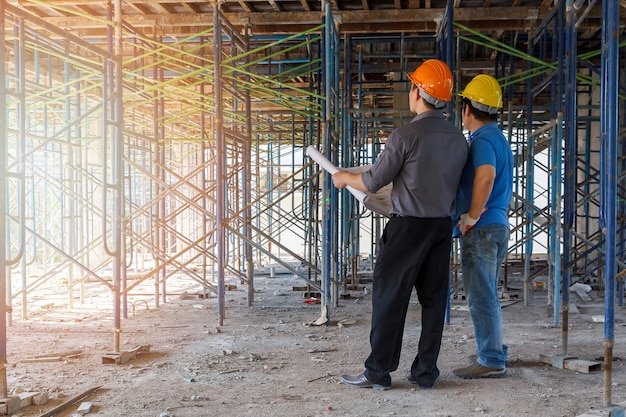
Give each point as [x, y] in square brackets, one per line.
[483, 250]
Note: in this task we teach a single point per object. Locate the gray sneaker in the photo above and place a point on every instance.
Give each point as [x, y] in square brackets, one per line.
[476, 370]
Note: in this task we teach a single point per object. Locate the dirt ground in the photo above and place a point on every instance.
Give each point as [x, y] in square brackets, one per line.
[272, 360]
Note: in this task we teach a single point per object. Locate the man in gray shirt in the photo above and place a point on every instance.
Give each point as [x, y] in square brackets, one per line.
[424, 160]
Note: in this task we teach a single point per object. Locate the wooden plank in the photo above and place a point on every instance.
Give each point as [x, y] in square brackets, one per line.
[583, 366]
[571, 363]
[125, 356]
[583, 295]
[42, 359]
[56, 410]
[556, 361]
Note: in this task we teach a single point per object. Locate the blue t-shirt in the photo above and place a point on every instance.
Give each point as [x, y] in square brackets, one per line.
[488, 146]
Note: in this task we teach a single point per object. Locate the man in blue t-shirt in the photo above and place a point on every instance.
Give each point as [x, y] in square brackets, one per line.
[483, 199]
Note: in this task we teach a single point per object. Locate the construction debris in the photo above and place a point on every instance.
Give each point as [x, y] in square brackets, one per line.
[125, 356]
[70, 402]
[54, 357]
[85, 407]
[572, 363]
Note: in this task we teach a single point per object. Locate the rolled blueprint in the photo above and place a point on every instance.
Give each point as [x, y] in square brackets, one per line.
[379, 202]
[331, 169]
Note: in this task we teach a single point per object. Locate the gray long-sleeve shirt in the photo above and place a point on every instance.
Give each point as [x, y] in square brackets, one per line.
[424, 160]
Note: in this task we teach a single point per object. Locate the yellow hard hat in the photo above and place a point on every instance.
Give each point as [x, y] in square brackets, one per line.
[434, 78]
[484, 92]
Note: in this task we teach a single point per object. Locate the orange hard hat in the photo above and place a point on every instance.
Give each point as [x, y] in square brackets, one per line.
[434, 78]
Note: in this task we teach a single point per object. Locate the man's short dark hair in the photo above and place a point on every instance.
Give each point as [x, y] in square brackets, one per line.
[428, 105]
[483, 116]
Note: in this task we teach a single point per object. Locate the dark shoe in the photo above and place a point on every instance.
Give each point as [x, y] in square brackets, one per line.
[412, 380]
[476, 370]
[360, 381]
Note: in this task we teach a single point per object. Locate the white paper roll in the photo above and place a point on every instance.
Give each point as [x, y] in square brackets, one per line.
[331, 169]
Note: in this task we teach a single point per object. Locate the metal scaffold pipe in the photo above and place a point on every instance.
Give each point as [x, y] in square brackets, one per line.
[569, 180]
[220, 169]
[3, 205]
[609, 132]
[330, 198]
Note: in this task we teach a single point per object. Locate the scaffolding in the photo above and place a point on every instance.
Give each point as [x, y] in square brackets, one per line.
[185, 159]
[124, 174]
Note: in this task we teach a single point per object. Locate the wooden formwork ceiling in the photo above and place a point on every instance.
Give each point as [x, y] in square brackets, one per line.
[510, 20]
[175, 18]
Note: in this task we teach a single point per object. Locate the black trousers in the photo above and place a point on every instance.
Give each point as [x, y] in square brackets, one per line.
[414, 253]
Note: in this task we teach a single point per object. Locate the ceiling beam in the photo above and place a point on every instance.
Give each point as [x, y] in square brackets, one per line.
[347, 17]
[100, 2]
